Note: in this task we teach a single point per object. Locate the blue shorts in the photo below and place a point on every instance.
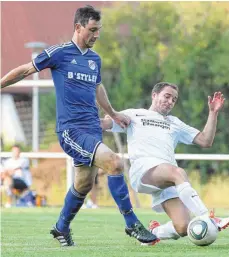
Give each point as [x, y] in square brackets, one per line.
[80, 144]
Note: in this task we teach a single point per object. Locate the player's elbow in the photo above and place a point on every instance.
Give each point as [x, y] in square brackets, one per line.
[206, 145]
[203, 141]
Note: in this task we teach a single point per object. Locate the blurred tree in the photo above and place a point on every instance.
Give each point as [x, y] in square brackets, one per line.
[186, 43]
[48, 107]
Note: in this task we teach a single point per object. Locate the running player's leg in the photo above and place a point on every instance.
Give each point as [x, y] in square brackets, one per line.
[80, 145]
[83, 182]
[166, 175]
[86, 149]
[113, 164]
[92, 201]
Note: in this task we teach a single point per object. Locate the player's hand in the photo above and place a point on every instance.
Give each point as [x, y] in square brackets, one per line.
[216, 102]
[106, 123]
[121, 119]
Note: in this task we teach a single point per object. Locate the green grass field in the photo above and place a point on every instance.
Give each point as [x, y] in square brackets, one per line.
[97, 232]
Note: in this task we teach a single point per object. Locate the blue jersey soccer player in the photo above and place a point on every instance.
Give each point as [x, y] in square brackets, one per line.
[76, 74]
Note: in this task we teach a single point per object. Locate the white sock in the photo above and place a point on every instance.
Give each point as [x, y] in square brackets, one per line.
[191, 199]
[166, 231]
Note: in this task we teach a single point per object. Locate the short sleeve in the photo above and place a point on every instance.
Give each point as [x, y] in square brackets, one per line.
[6, 163]
[186, 133]
[99, 79]
[49, 58]
[25, 163]
[116, 127]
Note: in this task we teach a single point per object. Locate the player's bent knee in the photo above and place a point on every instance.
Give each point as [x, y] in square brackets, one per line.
[180, 175]
[116, 164]
[84, 185]
[84, 188]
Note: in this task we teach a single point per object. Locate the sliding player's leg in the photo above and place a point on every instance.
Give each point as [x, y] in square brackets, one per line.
[166, 175]
[178, 225]
[179, 219]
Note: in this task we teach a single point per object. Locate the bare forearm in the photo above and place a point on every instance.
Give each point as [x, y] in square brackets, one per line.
[103, 100]
[9, 172]
[210, 128]
[17, 74]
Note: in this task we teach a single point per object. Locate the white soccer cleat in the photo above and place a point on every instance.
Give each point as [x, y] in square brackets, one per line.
[221, 223]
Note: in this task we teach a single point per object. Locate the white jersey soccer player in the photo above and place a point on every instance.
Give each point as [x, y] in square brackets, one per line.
[152, 137]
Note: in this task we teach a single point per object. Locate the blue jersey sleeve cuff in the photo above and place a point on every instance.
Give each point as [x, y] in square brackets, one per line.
[34, 64]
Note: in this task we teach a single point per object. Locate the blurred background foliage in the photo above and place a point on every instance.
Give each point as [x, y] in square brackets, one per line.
[186, 43]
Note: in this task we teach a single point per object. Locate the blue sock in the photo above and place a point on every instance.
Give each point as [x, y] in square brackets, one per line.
[73, 202]
[119, 191]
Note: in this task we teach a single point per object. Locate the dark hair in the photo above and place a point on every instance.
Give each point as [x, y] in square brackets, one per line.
[161, 85]
[84, 14]
[16, 146]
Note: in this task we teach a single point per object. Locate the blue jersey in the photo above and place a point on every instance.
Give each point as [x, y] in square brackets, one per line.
[76, 76]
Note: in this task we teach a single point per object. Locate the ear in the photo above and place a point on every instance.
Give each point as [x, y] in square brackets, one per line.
[77, 27]
[153, 95]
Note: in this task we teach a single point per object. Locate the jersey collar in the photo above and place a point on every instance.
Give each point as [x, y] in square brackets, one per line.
[83, 53]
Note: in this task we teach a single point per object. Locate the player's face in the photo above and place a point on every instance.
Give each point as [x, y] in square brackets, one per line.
[15, 152]
[164, 101]
[90, 33]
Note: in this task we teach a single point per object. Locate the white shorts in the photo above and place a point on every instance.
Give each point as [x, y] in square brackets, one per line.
[138, 169]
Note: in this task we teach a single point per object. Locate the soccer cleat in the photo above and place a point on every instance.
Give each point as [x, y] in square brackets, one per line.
[221, 223]
[152, 225]
[138, 231]
[65, 239]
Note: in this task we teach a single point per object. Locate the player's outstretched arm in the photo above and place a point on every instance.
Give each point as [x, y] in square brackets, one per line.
[206, 137]
[102, 99]
[17, 74]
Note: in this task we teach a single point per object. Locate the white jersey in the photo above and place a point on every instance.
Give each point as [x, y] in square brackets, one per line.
[151, 134]
[23, 165]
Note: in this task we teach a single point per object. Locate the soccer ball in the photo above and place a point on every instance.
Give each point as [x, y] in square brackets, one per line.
[202, 231]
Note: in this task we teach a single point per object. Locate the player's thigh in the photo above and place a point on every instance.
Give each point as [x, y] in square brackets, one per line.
[107, 160]
[178, 213]
[84, 178]
[80, 144]
[164, 175]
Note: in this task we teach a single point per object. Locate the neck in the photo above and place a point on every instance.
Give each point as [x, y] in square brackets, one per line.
[81, 46]
[152, 108]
